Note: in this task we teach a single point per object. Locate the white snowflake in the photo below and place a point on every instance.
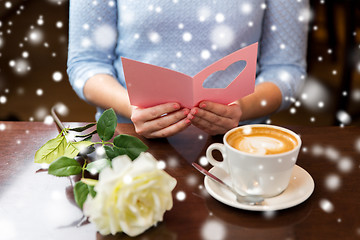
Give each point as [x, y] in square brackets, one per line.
[179, 54]
[39, 92]
[246, 8]
[305, 15]
[284, 76]
[192, 180]
[219, 18]
[36, 36]
[86, 42]
[48, 120]
[128, 17]
[314, 92]
[21, 66]
[111, 3]
[8, 4]
[332, 182]
[343, 117]
[86, 26]
[345, 164]
[3, 99]
[105, 36]
[203, 161]
[326, 205]
[321, 104]
[61, 109]
[154, 37]
[57, 76]
[213, 229]
[40, 21]
[332, 153]
[79, 83]
[161, 164]
[357, 144]
[25, 54]
[205, 54]
[355, 95]
[203, 13]
[187, 37]
[59, 24]
[222, 36]
[158, 9]
[180, 195]
[41, 113]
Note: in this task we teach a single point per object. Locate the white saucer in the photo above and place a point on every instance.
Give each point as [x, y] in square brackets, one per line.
[300, 188]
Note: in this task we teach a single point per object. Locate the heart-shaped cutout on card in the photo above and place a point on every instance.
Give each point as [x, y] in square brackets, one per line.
[190, 144]
[223, 78]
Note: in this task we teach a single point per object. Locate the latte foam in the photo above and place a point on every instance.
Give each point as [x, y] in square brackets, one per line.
[262, 141]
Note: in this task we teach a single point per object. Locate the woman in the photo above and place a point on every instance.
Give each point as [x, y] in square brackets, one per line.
[186, 36]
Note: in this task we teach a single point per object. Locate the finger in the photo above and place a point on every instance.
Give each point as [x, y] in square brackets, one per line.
[171, 130]
[210, 118]
[205, 124]
[216, 108]
[146, 129]
[147, 114]
[165, 121]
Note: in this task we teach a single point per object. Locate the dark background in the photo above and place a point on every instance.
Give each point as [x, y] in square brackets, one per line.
[33, 46]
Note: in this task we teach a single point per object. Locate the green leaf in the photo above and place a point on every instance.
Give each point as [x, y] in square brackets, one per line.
[54, 149]
[106, 125]
[92, 191]
[64, 167]
[88, 139]
[81, 191]
[59, 147]
[90, 184]
[98, 165]
[83, 146]
[130, 145]
[81, 129]
[48, 152]
[87, 135]
[113, 152]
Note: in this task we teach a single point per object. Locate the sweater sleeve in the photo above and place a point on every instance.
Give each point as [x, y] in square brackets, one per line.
[283, 46]
[92, 41]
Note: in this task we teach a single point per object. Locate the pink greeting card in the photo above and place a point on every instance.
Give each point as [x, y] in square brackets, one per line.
[149, 85]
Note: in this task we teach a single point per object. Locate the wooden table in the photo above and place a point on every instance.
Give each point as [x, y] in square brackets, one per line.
[39, 206]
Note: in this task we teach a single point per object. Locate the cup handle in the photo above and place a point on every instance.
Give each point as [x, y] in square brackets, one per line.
[220, 147]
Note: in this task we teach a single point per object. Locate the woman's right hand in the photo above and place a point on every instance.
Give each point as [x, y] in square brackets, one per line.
[163, 120]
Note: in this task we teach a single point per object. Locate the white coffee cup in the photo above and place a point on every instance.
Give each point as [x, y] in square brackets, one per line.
[265, 162]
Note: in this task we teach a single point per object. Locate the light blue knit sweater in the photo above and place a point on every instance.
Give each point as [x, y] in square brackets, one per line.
[187, 36]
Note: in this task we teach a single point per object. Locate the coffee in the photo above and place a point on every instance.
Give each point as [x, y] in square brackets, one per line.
[262, 140]
[250, 155]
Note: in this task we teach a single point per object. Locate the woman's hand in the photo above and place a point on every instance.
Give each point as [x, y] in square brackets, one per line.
[160, 121]
[215, 118]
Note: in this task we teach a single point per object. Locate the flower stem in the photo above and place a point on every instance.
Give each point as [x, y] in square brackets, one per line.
[83, 167]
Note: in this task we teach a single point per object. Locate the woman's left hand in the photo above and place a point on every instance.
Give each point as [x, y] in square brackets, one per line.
[215, 118]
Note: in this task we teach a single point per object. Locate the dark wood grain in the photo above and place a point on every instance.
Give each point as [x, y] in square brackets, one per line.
[39, 206]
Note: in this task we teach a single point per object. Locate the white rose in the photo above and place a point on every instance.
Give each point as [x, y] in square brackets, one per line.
[131, 196]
